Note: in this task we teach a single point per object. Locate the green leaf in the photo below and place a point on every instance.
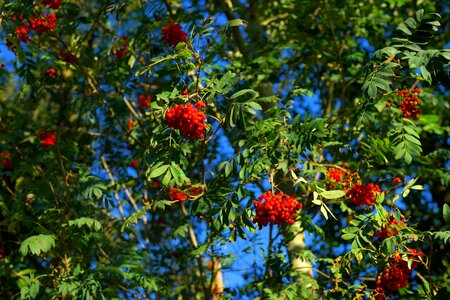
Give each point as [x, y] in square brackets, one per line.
[446, 213]
[37, 244]
[184, 54]
[236, 22]
[158, 171]
[348, 236]
[253, 94]
[132, 220]
[350, 230]
[419, 15]
[254, 105]
[333, 194]
[34, 289]
[402, 27]
[199, 251]
[84, 221]
[324, 212]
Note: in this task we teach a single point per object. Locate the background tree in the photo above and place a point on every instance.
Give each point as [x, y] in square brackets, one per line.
[141, 139]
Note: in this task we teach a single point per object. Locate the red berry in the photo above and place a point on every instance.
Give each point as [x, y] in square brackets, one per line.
[172, 35]
[390, 228]
[175, 194]
[134, 163]
[275, 208]
[396, 180]
[363, 194]
[53, 4]
[144, 102]
[48, 138]
[51, 72]
[6, 162]
[188, 119]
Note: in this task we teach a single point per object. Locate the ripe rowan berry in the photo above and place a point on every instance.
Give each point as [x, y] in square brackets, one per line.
[363, 194]
[188, 119]
[44, 24]
[408, 103]
[396, 180]
[48, 138]
[397, 274]
[335, 174]
[175, 194]
[51, 72]
[68, 57]
[53, 4]
[275, 208]
[6, 162]
[173, 34]
[155, 184]
[130, 123]
[391, 227]
[144, 101]
[123, 49]
[134, 163]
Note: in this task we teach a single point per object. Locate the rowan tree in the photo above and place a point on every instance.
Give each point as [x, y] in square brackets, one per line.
[142, 140]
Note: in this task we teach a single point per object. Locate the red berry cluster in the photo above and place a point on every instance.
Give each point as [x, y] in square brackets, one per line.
[363, 194]
[51, 72]
[189, 119]
[339, 176]
[173, 34]
[396, 180]
[68, 56]
[120, 52]
[194, 191]
[44, 24]
[408, 103]
[53, 4]
[38, 24]
[48, 138]
[155, 184]
[397, 274]
[390, 228]
[6, 162]
[175, 194]
[144, 101]
[275, 208]
[134, 163]
[335, 174]
[130, 123]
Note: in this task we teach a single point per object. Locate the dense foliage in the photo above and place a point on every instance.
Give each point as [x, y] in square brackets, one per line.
[141, 140]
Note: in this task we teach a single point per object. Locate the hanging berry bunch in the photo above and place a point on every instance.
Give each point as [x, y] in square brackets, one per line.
[68, 56]
[408, 102]
[189, 119]
[144, 101]
[363, 194]
[39, 24]
[48, 138]
[177, 195]
[339, 176]
[396, 275]
[53, 4]
[6, 162]
[275, 208]
[173, 34]
[390, 228]
[122, 50]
